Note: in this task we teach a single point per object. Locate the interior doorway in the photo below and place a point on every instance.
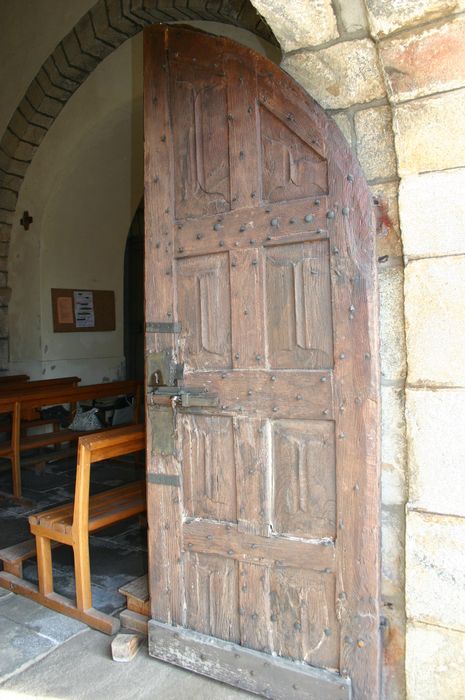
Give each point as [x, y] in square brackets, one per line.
[134, 297]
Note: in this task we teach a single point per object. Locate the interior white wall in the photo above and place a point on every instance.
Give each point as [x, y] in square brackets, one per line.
[82, 189]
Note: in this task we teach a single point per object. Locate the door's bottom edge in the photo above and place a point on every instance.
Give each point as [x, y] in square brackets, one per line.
[260, 673]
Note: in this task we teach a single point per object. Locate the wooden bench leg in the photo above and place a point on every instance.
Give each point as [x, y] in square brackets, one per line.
[16, 474]
[16, 569]
[15, 447]
[44, 564]
[82, 575]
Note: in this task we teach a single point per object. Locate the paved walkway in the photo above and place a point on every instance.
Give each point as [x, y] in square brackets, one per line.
[46, 655]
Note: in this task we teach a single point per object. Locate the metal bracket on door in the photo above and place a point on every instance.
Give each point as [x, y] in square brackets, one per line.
[188, 396]
[162, 327]
[163, 380]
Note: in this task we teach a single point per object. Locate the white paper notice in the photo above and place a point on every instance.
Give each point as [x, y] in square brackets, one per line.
[84, 309]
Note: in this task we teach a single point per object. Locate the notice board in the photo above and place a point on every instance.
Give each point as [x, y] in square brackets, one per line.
[83, 310]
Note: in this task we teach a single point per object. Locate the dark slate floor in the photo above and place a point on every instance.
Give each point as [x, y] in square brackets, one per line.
[118, 553]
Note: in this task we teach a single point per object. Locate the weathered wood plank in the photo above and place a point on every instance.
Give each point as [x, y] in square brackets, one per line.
[243, 147]
[138, 588]
[356, 384]
[258, 393]
[253, 480]
[226, 540]
[246, 280]
[163, 502]
[250, 670]
[246, 228]
[135, 621]
[255, 607]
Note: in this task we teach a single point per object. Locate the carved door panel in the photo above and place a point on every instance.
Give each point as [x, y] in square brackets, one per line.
[263, 481]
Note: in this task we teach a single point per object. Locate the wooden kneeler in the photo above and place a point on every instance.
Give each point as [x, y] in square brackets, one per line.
[71, 524]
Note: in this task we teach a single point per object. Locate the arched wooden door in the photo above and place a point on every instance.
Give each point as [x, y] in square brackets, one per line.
[263, 478]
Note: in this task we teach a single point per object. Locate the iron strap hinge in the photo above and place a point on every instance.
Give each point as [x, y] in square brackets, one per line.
[162, 327]
[164, 479]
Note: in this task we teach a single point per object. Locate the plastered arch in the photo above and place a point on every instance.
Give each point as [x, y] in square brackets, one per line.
[98, 33]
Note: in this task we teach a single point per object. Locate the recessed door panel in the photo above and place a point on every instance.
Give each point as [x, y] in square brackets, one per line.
[298, 306]
[209, 488]
[204, 306]
[304, 478]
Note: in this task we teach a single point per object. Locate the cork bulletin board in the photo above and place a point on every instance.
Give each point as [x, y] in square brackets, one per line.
[83, 310]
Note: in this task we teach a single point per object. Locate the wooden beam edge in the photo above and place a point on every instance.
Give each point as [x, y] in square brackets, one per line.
[94, 618]
[266, 675]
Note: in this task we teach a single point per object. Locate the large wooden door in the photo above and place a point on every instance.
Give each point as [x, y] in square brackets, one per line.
[262, 395]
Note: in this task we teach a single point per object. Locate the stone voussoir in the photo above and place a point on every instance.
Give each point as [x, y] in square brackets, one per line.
[5, 231]
[339, 76]
[5, 296]
[50, 87]
[425, 61]
[102, 28]
[387, 16]
[90, 44]
[66, 68]
[300, 23]
[120, 18]
[41, 102]
[74, 54]
[69, 85]
[352, 16]
[8, 199]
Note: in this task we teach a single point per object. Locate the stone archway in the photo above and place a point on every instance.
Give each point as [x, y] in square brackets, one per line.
[376, 68]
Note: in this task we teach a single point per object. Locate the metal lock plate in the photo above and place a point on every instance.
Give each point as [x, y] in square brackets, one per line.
[162, 327]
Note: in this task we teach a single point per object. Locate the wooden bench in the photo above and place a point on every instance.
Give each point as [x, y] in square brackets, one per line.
[12, 379]
[46, 396]
[22, 381]
[71, 524]
[18, 383]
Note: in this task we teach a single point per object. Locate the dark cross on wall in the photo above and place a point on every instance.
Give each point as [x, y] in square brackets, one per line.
[26, 220]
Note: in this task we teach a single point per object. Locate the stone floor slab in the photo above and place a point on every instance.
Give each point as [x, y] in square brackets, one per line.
[48, 623]
[19, 646]
[82, 668]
